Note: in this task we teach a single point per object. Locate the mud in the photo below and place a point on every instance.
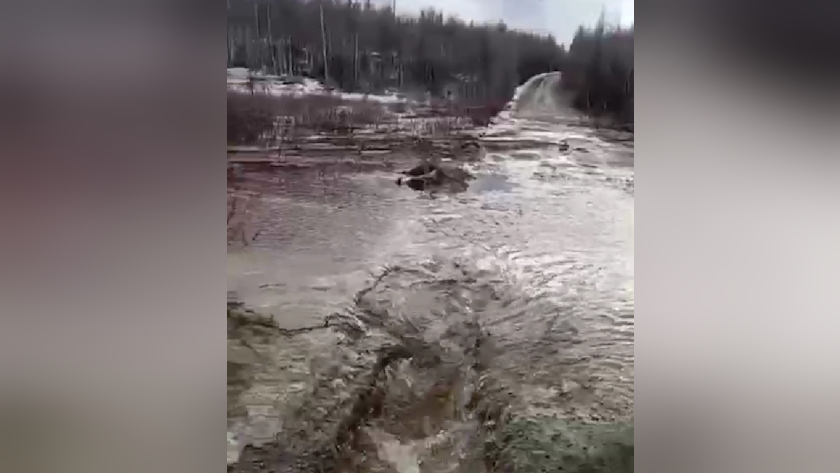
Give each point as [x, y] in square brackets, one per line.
[453, 414]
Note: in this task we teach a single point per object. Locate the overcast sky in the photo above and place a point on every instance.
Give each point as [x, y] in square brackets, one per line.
[558, 17]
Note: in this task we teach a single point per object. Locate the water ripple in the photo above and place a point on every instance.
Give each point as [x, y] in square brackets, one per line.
[536, 260]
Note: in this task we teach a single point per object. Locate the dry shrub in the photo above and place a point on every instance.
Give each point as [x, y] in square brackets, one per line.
[399, 107]
[480, 115]
[438, 125]
[249, 120]
[262, 118]
[476, 114]
[331, 113]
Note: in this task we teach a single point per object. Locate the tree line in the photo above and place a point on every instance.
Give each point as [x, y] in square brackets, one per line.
[357, 46]
[599, 71]
[368, 48]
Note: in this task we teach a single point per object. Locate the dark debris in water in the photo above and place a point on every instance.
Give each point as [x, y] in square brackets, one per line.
[430, 176]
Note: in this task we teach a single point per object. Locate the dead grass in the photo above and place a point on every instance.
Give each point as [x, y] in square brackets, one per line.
[475, 114]
[261, 119]
[480, 114]
[249, 121]
[269, 120]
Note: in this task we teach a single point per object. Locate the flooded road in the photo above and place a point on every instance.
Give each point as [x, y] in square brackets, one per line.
[427, 319]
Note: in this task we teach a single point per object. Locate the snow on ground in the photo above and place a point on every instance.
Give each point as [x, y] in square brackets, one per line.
[389, 99]
[238, 79]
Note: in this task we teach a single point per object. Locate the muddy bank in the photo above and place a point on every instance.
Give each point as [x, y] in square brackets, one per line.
[461, 147]
[260, 170]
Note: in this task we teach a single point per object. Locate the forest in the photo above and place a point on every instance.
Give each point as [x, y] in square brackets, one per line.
[598, 70]
[357, 46]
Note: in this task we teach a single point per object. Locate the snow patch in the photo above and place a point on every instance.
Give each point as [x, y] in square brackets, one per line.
[243, 80]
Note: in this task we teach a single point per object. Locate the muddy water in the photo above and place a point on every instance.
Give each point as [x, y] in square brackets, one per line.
[516, 295]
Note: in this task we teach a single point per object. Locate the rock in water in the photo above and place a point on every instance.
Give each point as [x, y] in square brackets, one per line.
[421, 170]
[416, 183]
[453, 179]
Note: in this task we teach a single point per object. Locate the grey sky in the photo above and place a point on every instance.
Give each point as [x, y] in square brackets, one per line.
[558, 17]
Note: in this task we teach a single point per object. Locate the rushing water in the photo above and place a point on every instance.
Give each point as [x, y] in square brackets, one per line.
[514, 296]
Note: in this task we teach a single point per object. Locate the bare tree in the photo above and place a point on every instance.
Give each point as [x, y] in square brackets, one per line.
[324, 43]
